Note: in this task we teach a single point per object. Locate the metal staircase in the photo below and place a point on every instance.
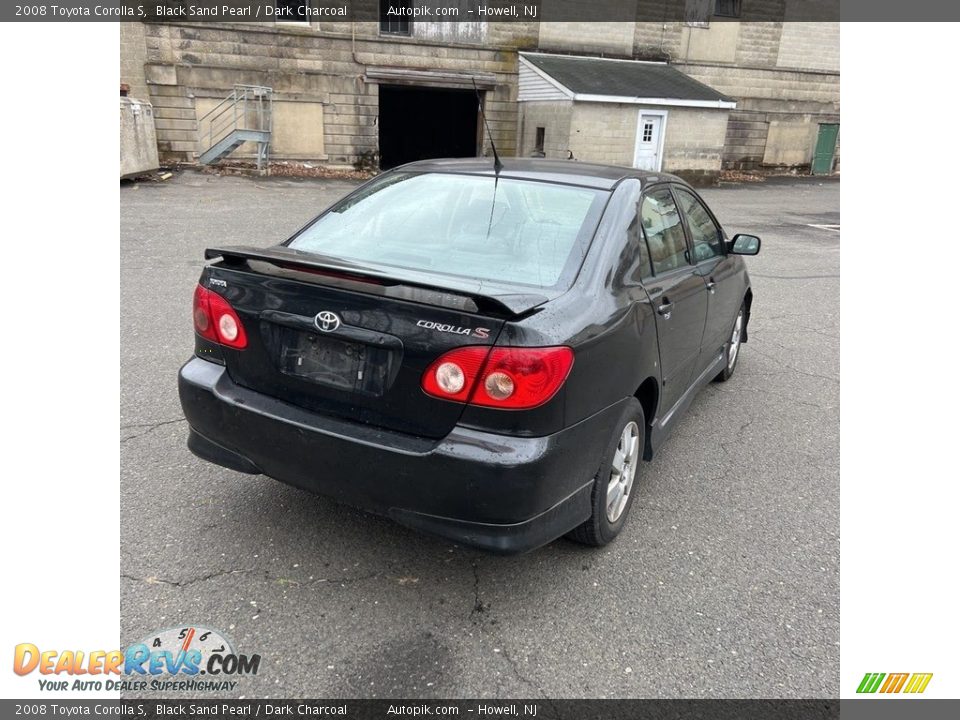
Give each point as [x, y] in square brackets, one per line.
[246, 115]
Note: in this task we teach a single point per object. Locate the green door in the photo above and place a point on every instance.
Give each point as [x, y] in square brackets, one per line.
[826, 144]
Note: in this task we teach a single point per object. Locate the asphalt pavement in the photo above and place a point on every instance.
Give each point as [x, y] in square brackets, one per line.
[725, 581]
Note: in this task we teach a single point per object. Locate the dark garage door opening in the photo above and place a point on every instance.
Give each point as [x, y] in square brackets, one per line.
[417, 123]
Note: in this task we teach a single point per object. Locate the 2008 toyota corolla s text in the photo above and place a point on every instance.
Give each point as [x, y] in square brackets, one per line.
[481, 352]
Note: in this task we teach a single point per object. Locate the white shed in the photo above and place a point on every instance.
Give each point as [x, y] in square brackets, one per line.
[621, 112]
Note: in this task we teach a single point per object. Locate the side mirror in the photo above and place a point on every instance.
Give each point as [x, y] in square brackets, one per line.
[745, 244]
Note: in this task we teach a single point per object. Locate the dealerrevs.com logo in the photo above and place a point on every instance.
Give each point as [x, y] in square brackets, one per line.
[910, 683]
[186, 659]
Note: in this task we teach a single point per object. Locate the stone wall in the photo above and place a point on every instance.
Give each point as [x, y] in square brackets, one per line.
[777, 115]
[784, 76]
[133, 55]
[746, 140]
[600, 38]
[319, 78]
[810, 45]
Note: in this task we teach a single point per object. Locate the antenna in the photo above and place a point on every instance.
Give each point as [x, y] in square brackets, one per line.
[497, 165]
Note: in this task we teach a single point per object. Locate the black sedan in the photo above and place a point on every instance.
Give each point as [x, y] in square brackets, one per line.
[481, 352]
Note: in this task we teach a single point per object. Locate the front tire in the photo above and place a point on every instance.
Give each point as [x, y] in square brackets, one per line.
[615, 486]
[731, 351]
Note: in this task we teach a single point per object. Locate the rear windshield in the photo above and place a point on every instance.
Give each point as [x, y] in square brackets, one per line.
[505, 231]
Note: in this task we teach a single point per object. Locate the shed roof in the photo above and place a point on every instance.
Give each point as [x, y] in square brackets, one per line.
[606, 80]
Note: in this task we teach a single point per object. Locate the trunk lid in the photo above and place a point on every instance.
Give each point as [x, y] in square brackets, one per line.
[348, 341]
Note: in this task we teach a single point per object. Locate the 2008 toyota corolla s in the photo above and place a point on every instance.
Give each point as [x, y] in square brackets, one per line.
[483, 353]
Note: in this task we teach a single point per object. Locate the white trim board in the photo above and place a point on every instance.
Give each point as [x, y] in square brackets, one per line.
[671, 102]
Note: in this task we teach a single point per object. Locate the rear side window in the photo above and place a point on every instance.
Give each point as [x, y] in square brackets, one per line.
[506, 231]
[705, 237]
[665, 238]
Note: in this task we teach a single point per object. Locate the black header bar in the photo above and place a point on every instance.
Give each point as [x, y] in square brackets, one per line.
[539, 709]
[419, 709]
[310, 11]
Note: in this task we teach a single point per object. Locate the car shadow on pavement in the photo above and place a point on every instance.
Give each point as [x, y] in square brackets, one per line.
[313, 524]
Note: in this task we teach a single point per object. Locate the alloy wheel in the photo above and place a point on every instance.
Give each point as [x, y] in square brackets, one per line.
[623, 470]
[735, 341]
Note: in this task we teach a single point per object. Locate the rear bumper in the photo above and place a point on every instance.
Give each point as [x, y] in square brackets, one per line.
[501, 493]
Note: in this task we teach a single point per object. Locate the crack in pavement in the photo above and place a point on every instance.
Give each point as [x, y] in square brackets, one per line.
[784, 398]
[153, 580]
[792, 368]
[479, 608]
[150, 427]
[515, 668]
[478, 605]
[337, 581]
[267, 577]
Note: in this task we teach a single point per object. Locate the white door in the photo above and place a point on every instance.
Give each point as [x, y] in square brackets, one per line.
[649, 146]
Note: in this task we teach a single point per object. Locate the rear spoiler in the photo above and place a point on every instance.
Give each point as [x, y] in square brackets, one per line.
[509, 304]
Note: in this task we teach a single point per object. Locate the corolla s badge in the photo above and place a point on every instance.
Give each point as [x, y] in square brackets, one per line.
[326, 321]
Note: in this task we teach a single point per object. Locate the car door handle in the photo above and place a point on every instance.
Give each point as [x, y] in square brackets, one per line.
[711, 285]
[665, 309]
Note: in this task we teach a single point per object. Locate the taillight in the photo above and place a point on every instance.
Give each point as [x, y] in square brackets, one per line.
[215, 320]
[502, 377]
[453, 375]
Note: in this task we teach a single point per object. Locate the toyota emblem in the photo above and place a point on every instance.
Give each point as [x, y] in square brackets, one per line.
[327, 321]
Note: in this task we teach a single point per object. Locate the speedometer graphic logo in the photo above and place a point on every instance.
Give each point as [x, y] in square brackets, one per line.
[190, 650]
[183, 639]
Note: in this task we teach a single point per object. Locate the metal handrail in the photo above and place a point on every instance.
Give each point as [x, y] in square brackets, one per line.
[245, 101]
[257, 89]
[232, 97]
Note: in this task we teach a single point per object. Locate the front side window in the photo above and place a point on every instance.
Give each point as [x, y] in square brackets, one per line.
[477, 227]
[661, 224]
[705, 237]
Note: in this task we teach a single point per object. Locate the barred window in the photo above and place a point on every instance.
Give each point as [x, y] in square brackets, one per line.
[394, 23]
[727, 8]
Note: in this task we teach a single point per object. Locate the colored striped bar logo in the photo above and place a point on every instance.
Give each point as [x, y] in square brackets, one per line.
[894, 682]
[918, 682]
[870, 682]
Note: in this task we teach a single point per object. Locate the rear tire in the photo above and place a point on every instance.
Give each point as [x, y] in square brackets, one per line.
[731, 351]
[616, 484]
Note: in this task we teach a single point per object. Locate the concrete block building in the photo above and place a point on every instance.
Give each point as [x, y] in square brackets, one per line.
[378, 94]
[621, 112]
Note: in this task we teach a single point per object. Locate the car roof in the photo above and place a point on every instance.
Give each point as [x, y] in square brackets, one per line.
[567, 172]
